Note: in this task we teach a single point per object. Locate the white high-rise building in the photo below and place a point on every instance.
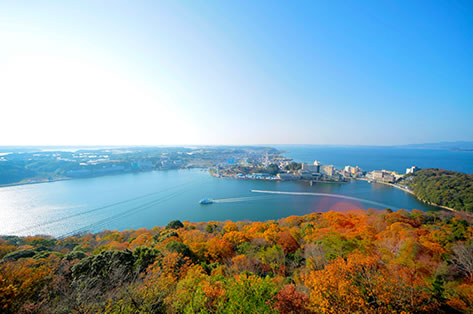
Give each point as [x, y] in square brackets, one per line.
[411, 169]
[327, 170]
[266, 161]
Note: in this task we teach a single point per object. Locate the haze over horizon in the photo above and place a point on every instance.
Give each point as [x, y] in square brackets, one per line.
[235, 73]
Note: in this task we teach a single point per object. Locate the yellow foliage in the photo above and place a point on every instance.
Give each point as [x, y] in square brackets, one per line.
[236, 237]
[143, 239]
[271, 233]
[364, 284]
[230, 226]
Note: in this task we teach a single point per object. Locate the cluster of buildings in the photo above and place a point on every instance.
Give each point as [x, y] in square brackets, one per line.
[306, 171]
[319, 172]
[313, 172]
[382, 176]
[352, 172]
[386, 176]
[257, 176]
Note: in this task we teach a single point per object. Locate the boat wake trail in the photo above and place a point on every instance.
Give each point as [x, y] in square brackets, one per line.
[150, 199]
[240, 199]
[327, 195]
[104, 222]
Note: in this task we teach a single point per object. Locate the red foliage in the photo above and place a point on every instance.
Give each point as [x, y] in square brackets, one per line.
[289, 300]
[287, 242]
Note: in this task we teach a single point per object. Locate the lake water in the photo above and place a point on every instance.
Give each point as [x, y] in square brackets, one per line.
[148, 199]
[154, 198]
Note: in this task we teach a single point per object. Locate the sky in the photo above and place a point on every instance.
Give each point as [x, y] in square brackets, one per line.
[235, 72]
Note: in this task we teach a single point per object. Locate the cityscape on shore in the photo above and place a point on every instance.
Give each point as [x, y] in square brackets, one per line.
[35, 165]
[24, 165]
[275, 167]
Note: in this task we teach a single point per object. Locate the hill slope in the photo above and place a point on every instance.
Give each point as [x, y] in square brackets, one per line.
[446, 188]
[367, 261]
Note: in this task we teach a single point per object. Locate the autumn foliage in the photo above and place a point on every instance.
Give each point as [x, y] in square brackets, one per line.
[351, 262]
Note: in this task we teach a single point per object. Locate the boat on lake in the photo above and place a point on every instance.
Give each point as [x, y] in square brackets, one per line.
[206, 201]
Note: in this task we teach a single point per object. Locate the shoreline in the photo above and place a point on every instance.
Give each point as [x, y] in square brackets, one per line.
[412, 193]
[275, 180]
[344, 182]
[37, 182]
[390, 184]
[90, 177]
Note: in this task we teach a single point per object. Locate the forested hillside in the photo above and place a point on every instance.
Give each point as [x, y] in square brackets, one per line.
[447, 188]
[357, 261]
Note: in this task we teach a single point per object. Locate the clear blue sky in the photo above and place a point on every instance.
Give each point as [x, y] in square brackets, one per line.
[236, 72]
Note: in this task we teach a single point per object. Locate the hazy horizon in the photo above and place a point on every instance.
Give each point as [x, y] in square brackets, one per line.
[235, 73]
[450, 143]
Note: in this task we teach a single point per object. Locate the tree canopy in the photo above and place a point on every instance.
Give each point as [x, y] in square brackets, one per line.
[333, 262]
[447, 188]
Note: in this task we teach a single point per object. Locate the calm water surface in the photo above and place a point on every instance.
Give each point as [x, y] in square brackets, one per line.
[154, 198]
